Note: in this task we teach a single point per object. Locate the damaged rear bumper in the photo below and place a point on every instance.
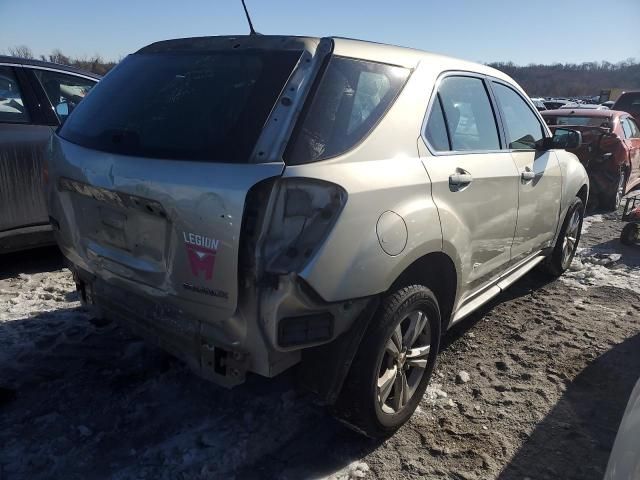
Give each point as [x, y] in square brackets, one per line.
[167, 327]
[268, 334]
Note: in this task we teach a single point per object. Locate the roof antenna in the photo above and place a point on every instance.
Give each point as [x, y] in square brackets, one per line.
[246, 12]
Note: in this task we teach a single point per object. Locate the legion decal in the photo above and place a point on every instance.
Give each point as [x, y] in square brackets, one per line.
[202, 254]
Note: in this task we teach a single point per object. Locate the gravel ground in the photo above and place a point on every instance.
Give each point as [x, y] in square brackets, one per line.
[533, 386]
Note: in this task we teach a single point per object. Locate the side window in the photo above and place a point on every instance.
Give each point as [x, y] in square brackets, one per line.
[12, 108]
[436, 130]
[350, 99]
[63, 91]
[522, 126]
[635, 131]
[625, 127]
[468, 114]
[371, 89]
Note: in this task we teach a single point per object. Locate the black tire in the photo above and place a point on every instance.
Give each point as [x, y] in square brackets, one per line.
[359, 402]
[558, 262]
[611, 200]
[630, 234]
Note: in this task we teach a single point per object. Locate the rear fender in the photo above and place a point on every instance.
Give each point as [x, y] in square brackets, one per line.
[574, 178]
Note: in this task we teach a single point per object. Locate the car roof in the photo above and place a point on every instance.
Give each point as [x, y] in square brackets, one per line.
[366, 50]
[582, 112]
[4, 59]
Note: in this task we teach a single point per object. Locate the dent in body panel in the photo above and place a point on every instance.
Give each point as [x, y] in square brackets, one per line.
[288, 299]
[205, 199]
[538, 202]
[479, 220]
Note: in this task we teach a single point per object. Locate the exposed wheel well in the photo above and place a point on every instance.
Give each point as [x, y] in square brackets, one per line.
[437, 272]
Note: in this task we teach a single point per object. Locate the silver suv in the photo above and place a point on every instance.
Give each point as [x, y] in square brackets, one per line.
[253, 203]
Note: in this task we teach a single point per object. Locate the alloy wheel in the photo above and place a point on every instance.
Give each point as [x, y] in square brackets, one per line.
[404, 362]
[570, 241]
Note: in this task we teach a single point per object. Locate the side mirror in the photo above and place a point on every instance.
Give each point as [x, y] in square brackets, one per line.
[562, 138]
[62, 109]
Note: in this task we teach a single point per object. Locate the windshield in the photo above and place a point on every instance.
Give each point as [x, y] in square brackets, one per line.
[185, 106]
[577, 120]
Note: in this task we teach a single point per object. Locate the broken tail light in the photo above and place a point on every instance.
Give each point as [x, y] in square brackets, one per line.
[304, 212]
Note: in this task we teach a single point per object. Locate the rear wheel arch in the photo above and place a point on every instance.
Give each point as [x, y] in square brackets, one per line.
[437, 272]
[583, 193]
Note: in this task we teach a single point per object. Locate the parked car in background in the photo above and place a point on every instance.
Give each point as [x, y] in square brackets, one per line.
[629, 102]
[610, 150]
[539, 104]
[608, 104]
[583, 106]
[256, 202]
[555, 103]
[35, 98]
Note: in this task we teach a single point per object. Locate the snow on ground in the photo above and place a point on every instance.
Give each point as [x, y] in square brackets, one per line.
[592, 268]
[590, 220]
[606, 263]
[83, 399]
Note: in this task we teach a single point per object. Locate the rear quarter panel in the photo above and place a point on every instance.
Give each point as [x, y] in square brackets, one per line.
[383, 173]
[574, 177]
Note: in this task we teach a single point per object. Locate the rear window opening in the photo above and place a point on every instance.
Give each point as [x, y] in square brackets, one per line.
[576, 120]
[348, 101]
[206, 106]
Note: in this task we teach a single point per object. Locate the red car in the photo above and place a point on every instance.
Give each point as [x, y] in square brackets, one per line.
[629, 102]
[610, 150]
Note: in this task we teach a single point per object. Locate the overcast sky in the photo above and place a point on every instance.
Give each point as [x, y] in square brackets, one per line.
[523, 31]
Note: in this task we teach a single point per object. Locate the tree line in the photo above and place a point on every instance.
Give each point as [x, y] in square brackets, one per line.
[538, 80]
[95, 64]
[572, 79]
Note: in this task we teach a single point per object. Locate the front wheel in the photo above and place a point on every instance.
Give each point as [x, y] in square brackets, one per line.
[567, 243]
[393, 365]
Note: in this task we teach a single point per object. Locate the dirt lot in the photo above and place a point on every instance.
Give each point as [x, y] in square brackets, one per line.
[551, 366]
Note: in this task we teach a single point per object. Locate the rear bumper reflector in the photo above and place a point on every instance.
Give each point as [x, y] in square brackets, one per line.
[308, 329]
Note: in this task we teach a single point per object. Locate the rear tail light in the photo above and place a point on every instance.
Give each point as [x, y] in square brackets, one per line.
[304, 212]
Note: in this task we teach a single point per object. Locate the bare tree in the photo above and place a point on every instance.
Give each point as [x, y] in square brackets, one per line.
[56, 56]
[21, 51]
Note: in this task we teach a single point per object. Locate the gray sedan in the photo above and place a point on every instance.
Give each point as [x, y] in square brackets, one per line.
[35, 98]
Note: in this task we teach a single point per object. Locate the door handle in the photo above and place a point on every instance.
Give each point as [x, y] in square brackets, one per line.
[460, 179]
[527, 174]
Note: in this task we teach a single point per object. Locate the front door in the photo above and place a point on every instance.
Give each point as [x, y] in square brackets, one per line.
[474, 182]
[540, 178]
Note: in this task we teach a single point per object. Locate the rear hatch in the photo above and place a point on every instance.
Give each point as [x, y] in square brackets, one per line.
[152, 170]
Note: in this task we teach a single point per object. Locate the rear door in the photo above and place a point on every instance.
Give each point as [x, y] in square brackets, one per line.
[474, 182]
[540, 178]
[23, 138]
